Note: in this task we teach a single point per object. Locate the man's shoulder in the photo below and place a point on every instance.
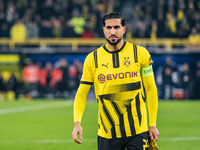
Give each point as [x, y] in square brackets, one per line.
[141, 48]
[135, 45]
[98, 49]
[92, 54]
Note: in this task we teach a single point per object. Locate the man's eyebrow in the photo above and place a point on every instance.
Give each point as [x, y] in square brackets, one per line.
[116, 26]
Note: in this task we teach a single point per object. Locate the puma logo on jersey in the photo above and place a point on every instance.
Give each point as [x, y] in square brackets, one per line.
[105, 65]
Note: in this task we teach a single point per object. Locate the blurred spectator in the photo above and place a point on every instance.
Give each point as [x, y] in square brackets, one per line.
[171, 22]
[167, 78]
[76, 73]
[196, 85]
[2, 86]
[154, 29]
[46, 29]
[185, 80]
[135, 24]
[56, 29]
[64, 84]
[85, 12]
[183, 31]
[129, 31]
[78, 22]
[190, 12]
[49, 79]
[88, 32]
[67, 30]
[31, 76]
[12, 87]
[47, 9]
[18, 31]
[57, 11]
[32, 30]
[198, 28]
[4, 28]
[46, 78]
[194, 37]
[198, 70]
[10, 12]
[57, 76]
[194, 40]
[12, 83]
[143, 31]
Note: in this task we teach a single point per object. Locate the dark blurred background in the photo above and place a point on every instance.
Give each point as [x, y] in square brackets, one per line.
[43, 44]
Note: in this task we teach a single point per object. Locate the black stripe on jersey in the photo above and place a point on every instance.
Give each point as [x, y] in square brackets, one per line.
[121, 88]
[135, 53]
[113, 133]
[138, 108]
[127, 87]
[95, 59]
[115, 58]
[104, 127]
[143, 97]
[121, 120]
[85, 82]
[130, 119]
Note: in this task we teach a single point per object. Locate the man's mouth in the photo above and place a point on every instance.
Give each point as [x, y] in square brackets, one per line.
[113, 37]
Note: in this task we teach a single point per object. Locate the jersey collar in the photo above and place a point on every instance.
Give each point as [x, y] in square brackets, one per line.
[107, 50]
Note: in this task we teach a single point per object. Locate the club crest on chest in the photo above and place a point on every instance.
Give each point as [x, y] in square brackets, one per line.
[127, 62]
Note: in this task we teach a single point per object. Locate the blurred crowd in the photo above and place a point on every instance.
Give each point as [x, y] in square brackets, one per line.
[29, 19]
[21, 19]
[178, 81]
[58, 80]
[61, 80]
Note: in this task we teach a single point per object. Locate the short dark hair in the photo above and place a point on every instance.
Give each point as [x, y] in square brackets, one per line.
[114, 15]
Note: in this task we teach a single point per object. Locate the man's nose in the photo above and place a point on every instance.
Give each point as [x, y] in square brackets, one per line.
[112, 31]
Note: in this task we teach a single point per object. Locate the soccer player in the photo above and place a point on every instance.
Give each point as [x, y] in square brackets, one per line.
[120, 71]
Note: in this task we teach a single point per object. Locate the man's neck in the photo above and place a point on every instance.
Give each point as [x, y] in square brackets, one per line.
[115, 47]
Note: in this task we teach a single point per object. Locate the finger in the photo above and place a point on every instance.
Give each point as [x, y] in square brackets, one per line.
[77, 141]
[74, 135]
[156, 136]
[151, 135]
[81, 135]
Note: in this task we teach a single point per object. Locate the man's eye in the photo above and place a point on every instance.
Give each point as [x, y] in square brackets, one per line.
[109, 27]
[116, 27]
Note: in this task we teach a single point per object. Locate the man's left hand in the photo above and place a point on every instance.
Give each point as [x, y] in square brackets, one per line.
[153, 133]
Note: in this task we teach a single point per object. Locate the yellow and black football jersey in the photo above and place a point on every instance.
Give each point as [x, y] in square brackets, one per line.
[116, 76]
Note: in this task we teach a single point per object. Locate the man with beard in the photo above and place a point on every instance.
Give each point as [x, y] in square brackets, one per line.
[119, 70]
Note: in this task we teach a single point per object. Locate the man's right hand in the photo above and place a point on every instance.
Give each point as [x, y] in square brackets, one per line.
[77, 130]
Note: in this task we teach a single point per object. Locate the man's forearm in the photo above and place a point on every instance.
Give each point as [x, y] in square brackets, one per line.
[152, 98]
[80, 101]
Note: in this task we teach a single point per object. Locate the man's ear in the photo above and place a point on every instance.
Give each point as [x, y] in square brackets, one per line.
[104, 30]
[124, 29]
